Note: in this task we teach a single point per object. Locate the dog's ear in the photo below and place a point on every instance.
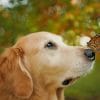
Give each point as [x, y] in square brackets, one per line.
[19, 77]
[23, 85]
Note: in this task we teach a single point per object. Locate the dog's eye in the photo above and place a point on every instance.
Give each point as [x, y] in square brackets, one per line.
[50, 45]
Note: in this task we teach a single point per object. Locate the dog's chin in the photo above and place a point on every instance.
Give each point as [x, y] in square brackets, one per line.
[69, 81]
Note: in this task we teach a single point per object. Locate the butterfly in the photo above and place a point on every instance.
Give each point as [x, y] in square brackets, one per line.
[94, 43]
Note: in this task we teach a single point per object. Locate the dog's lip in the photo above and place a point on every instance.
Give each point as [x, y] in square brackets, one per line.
[69, 81]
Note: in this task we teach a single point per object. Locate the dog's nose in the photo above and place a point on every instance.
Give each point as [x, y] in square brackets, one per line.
[89, 54]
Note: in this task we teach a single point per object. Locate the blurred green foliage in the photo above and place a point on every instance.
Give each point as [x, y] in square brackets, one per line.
[69, 18]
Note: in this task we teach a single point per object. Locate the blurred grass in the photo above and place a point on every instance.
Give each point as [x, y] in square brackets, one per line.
[86, 88]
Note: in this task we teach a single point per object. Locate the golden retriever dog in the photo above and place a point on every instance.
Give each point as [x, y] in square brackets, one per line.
[40, 65]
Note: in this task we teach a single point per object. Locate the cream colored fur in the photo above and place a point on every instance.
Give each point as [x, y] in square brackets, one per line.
[31, 71]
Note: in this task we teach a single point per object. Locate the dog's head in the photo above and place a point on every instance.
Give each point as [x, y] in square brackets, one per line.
[46, 59]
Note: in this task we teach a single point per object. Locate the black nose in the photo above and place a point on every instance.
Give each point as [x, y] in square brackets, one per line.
[89, 54]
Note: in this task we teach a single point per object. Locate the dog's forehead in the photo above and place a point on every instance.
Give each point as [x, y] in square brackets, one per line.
[38, 39]
[44, 36]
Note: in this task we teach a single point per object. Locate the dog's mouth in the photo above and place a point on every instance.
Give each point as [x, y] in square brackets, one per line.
[69, 81]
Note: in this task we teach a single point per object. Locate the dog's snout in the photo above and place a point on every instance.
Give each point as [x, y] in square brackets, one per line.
[89, 54]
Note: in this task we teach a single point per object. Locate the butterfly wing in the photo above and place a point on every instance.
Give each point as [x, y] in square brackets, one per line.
[94, 43]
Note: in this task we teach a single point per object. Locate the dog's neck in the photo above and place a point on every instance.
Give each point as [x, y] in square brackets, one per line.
[42, 92]
[39, 93]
